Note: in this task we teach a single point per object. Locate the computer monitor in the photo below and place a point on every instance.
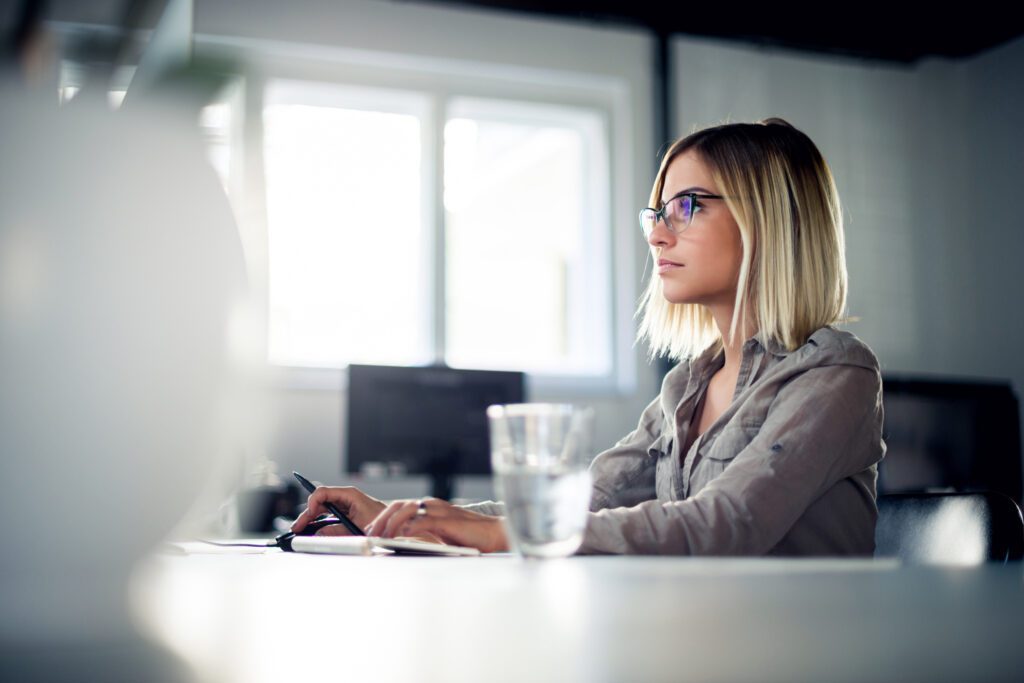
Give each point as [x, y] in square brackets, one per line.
[423, 420]
[950, 435]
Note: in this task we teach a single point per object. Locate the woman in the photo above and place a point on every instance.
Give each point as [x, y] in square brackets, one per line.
[766, 436]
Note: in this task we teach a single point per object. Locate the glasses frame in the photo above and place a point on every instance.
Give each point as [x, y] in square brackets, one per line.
[659, 214]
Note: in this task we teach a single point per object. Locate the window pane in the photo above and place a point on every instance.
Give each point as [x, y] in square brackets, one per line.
[527, 275]
[347, 243]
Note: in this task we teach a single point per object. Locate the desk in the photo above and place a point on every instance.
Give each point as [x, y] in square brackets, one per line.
[501, 618]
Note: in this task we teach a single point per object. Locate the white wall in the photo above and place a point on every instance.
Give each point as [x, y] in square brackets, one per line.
[928, 160]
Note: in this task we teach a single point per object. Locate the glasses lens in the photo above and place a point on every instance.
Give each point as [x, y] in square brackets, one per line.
[648, 218]
[679, 211]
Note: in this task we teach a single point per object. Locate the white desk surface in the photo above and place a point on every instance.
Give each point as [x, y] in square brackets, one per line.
[290, 617]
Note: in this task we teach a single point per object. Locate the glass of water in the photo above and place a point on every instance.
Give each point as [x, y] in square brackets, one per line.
[540, 454]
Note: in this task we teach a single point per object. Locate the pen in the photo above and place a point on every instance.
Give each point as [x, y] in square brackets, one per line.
[342, 517]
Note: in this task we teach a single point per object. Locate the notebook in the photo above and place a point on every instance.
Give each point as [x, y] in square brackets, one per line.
[374, 545]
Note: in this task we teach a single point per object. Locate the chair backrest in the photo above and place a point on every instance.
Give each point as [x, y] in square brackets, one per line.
[949, 528]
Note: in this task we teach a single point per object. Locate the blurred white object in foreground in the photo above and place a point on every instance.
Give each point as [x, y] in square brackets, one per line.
[121, 280]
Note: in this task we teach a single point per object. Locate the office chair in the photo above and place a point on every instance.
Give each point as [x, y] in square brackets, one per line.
[949, 528]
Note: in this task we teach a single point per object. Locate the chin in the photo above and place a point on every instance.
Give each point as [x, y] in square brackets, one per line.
[681, 295]
[693, 292]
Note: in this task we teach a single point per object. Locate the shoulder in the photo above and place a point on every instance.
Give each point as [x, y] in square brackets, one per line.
[833, 368]
[829, 346]
[832, 363]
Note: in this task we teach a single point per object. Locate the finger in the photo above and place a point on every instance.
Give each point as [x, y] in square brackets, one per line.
[434, 520]
[415, 530]
[315, 504]
[381, 520]
[436, 510]
[416, 526]
[426, 535]
[314, 508]
[333, 530]
[399, 517]
[307, 516]
[453, 526]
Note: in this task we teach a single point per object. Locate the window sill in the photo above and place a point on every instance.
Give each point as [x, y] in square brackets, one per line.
[547, 388]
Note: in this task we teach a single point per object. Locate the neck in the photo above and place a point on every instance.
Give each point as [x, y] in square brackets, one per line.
[733, 351]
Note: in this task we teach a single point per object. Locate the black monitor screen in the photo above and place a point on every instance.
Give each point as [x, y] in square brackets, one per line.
[423, 420]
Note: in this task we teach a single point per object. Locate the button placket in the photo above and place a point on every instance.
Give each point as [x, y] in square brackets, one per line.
[691, 457]
[663, 479]
[682, 468]
[695, 389]
[658, 452]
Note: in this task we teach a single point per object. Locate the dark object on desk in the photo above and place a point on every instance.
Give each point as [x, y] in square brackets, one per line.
[423, 420]
[257, 507]
[949, 528]
[284, 541]
[950, 435]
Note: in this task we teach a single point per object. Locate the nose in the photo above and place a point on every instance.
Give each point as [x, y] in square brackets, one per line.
[660, 234]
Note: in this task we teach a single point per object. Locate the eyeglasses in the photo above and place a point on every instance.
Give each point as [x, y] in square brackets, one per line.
[677, 213]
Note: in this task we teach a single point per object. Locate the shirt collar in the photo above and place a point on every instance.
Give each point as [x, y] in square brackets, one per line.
[709, 358]
[706, 363]
[770, 344]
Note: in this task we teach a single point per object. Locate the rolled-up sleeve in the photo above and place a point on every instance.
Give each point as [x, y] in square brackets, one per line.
[822, 426]
[488, 507]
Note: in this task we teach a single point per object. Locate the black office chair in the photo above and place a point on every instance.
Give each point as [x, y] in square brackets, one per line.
[949, 528]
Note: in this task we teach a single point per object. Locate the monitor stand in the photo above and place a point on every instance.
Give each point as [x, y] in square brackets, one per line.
[441, 470]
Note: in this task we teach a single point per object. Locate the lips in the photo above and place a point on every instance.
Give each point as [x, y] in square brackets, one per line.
[666, 262]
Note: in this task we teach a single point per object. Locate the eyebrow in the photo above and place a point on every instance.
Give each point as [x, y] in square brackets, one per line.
[687, 190]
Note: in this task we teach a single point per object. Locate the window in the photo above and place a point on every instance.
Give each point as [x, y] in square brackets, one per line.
[348, 246]
[526, 272]
[356, 234]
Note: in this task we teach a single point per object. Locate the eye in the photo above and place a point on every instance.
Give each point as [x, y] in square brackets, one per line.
[677, 204]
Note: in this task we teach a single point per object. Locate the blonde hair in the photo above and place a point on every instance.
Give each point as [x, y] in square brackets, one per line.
[793, 271]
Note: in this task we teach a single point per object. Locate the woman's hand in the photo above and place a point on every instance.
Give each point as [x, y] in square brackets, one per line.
[359, 507]
[443, 522]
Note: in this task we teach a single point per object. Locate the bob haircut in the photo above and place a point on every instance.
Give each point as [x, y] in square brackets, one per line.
[793, 271]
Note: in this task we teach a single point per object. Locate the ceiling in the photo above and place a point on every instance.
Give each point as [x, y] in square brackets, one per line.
[869, 29]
